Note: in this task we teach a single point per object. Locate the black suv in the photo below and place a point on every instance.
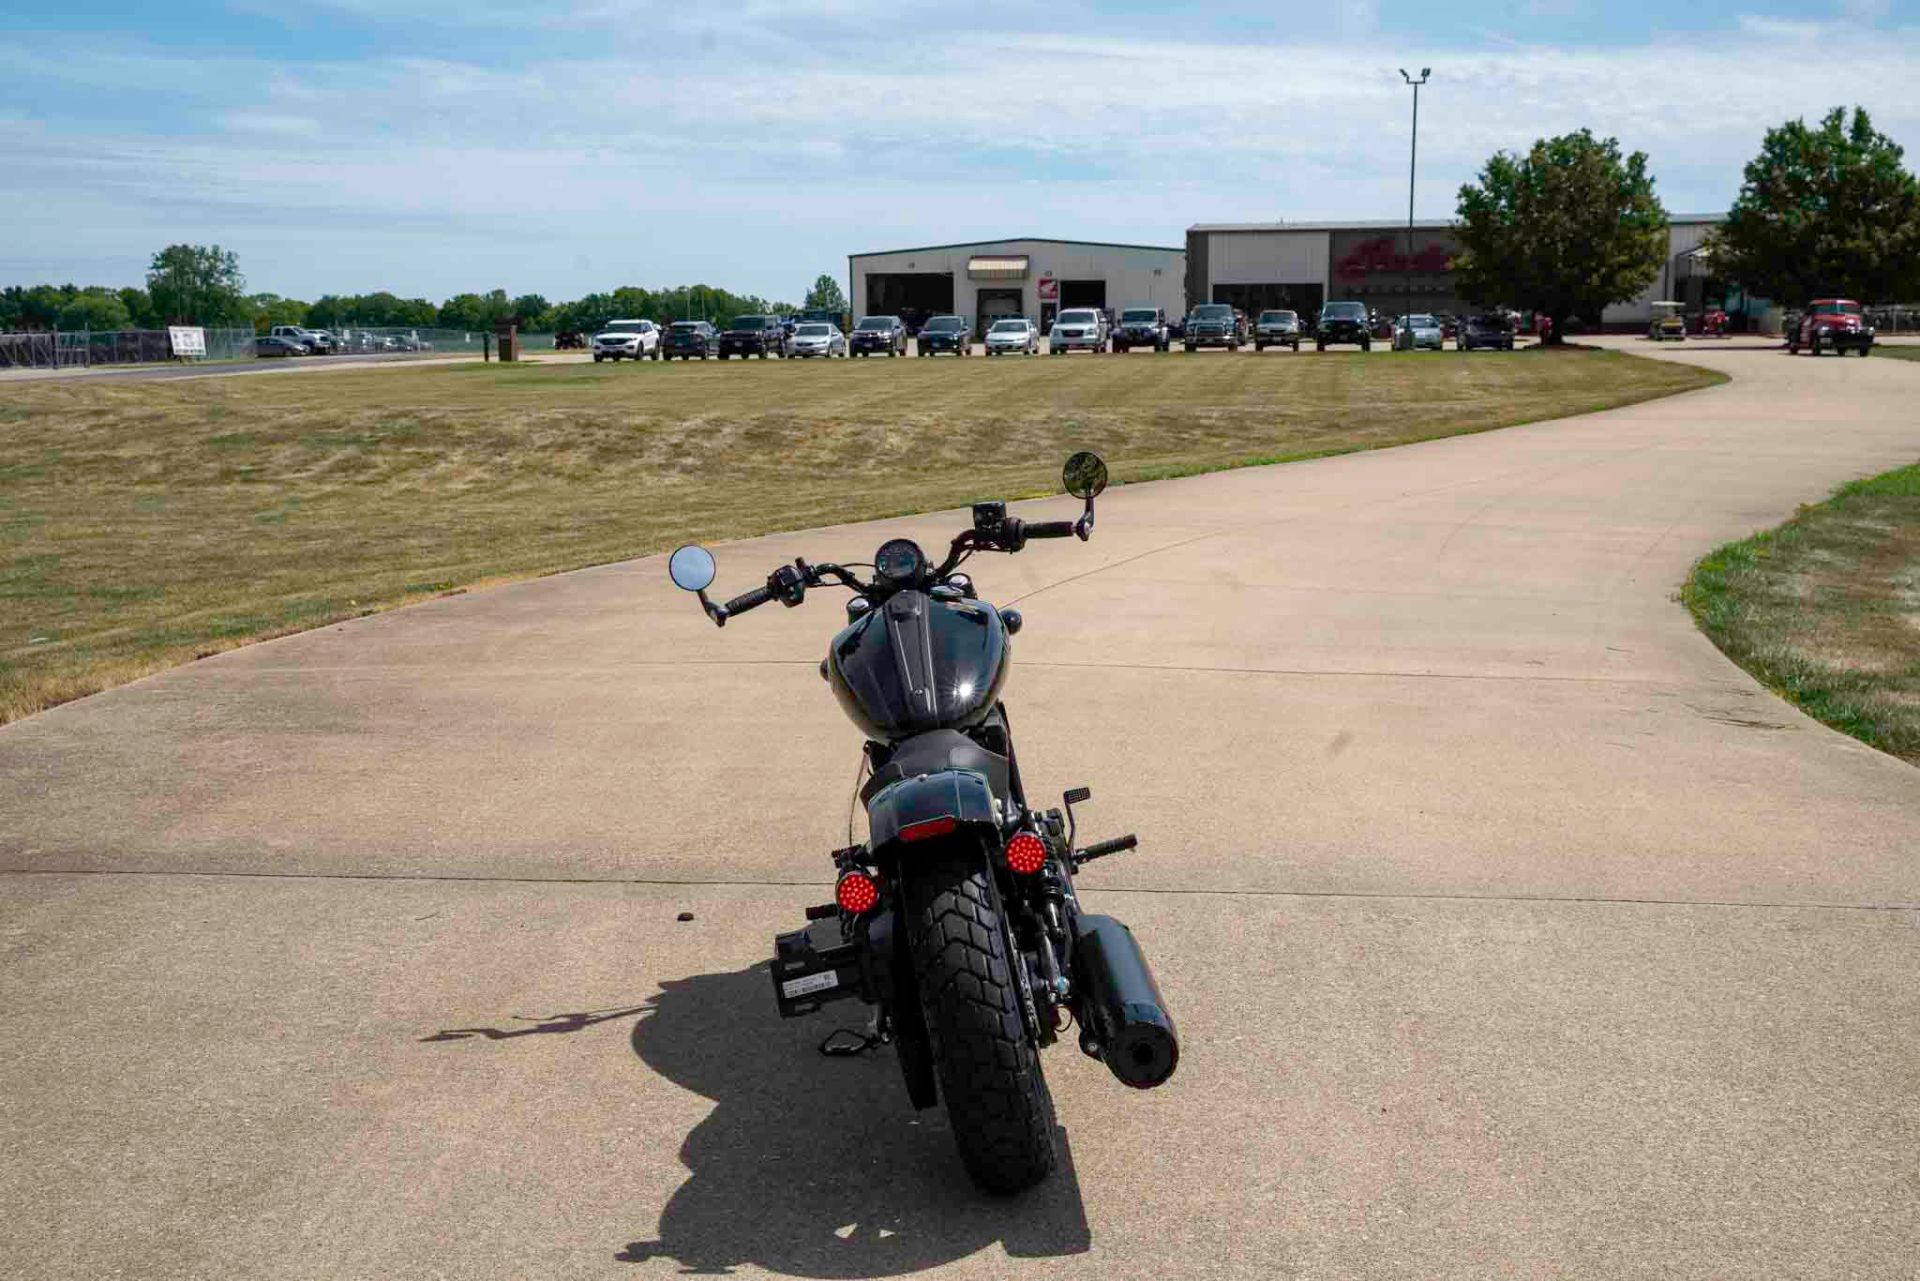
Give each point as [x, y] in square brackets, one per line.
[876, 334]
[689, 338]
[1142, 327]
[760, 336]
[946, 333]
[1344, 322]
[1212, 324]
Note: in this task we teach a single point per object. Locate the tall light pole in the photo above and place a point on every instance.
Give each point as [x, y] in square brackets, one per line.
[1413, 160]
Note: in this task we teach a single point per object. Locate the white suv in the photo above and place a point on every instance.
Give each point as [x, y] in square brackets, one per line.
[1078, 327]
[627, 340]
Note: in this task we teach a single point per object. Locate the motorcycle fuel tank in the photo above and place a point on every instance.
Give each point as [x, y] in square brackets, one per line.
[916, 664]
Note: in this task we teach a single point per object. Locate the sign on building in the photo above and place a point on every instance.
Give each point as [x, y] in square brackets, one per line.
[187, 340]
[1049, 289]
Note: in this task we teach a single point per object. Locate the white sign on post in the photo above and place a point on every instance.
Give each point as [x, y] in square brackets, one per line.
[187, 340]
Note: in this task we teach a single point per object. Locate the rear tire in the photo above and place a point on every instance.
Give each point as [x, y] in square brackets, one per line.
[989, 1071]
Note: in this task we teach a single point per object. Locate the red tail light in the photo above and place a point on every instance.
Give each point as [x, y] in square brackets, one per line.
[1026, 853]
[928, 830]
[856, 892]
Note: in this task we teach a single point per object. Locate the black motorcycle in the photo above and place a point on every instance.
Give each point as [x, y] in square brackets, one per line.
[957, 917]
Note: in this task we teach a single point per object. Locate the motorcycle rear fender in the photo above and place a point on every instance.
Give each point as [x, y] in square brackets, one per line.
[961, 795]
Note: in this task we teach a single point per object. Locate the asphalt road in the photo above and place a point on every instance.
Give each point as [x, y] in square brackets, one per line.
[225, 369]
[1510, 930]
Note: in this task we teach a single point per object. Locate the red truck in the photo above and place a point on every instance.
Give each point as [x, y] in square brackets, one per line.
[1831, 324]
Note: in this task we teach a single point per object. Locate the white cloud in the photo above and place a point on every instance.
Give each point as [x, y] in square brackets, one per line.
[664, 161]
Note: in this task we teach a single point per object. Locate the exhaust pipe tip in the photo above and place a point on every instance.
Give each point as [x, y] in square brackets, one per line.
[1124, 1019]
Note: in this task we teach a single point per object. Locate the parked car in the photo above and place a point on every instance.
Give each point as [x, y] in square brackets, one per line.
[1078, 329]
[817, 338]
[1016, 334]
[1278, 328]
[1212, 324]
[1419, 333]
[1485, 332]
[946, 333]
[271, 345]
[1142, 327]
[1831, 324]
[690, 338]
[626, 340]
[1343, 322]
[879, 333]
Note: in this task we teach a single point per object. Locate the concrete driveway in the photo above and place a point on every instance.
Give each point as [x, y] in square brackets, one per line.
[1510, 930]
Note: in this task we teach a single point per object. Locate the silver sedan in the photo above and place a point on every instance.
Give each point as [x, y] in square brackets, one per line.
[817, 339]
[1008, 336]
[1419, 333]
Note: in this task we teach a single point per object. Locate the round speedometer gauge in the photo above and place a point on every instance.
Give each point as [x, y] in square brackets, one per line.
[900, 562]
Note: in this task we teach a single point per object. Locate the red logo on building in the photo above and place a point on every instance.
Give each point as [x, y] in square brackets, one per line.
[1383, 254]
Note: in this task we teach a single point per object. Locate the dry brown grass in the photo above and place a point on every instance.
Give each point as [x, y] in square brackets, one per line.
[142, 524]
[1826, 609]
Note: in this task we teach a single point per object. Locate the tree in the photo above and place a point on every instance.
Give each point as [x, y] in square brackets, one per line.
[1565, 230]
[1824, 212]
[139, 307]
[268, 310]
[825, 296]
[97, 308]
[197, 285]
[534, 311]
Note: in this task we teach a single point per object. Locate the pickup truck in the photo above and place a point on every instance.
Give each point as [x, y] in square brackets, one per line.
[1831, 324]
[316, 341]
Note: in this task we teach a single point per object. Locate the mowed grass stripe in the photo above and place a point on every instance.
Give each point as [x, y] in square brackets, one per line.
[143, 524]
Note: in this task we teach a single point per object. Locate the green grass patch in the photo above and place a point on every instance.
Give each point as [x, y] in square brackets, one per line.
[1825, 609]
[1897, 351]
[188, 517]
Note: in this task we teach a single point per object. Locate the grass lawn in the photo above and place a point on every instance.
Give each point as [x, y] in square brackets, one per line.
[145, 524]
[1825, 610]
[1898, 351]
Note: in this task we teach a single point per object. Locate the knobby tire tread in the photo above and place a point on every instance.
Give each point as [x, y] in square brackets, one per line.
[989, 1072]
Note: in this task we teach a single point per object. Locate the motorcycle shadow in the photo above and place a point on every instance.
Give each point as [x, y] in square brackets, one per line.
[815, 1166]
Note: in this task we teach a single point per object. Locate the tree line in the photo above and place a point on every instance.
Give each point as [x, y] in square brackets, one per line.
[202, 285]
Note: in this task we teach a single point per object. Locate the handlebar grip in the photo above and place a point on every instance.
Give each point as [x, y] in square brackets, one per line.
[1050, 529]
[748, 600]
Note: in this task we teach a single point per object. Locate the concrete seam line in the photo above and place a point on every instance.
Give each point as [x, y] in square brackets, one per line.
[1184, 891]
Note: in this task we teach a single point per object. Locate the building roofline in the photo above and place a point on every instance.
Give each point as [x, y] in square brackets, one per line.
[1005, 240]
[1424, 224]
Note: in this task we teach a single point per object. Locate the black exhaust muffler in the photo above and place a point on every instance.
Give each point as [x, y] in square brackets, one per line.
[1123, 1020]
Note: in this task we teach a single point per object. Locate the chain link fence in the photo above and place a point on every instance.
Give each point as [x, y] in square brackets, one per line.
[1897, 318]
[81, 349]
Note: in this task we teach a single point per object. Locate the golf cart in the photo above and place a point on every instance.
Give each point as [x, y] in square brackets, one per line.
[1668, 323]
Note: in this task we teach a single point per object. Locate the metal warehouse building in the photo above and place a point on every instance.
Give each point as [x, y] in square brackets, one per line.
[1030, 276]
[1301, 265]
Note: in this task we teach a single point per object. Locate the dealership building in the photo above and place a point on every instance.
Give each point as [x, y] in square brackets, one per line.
[1301, 265]
[1254, 266]
[1030, 276]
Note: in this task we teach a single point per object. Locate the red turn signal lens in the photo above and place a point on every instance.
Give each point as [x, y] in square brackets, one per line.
[926, 831]
[1026, 853]
[856, 892]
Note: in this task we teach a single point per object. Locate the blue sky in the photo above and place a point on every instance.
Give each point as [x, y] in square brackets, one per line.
[432, 146]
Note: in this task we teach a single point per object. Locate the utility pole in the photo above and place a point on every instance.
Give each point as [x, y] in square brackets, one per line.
[1413, 160]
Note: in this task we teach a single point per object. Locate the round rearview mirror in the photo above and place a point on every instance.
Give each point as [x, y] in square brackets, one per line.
[692, 568]
[1085, 475]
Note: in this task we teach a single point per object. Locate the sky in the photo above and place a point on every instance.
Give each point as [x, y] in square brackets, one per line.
[559, 147]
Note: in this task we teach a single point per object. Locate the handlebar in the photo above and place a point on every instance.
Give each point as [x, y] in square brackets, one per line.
[747, 600]
[1049, 529]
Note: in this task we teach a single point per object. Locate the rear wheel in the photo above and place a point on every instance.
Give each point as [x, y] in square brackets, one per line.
[989, 1071]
